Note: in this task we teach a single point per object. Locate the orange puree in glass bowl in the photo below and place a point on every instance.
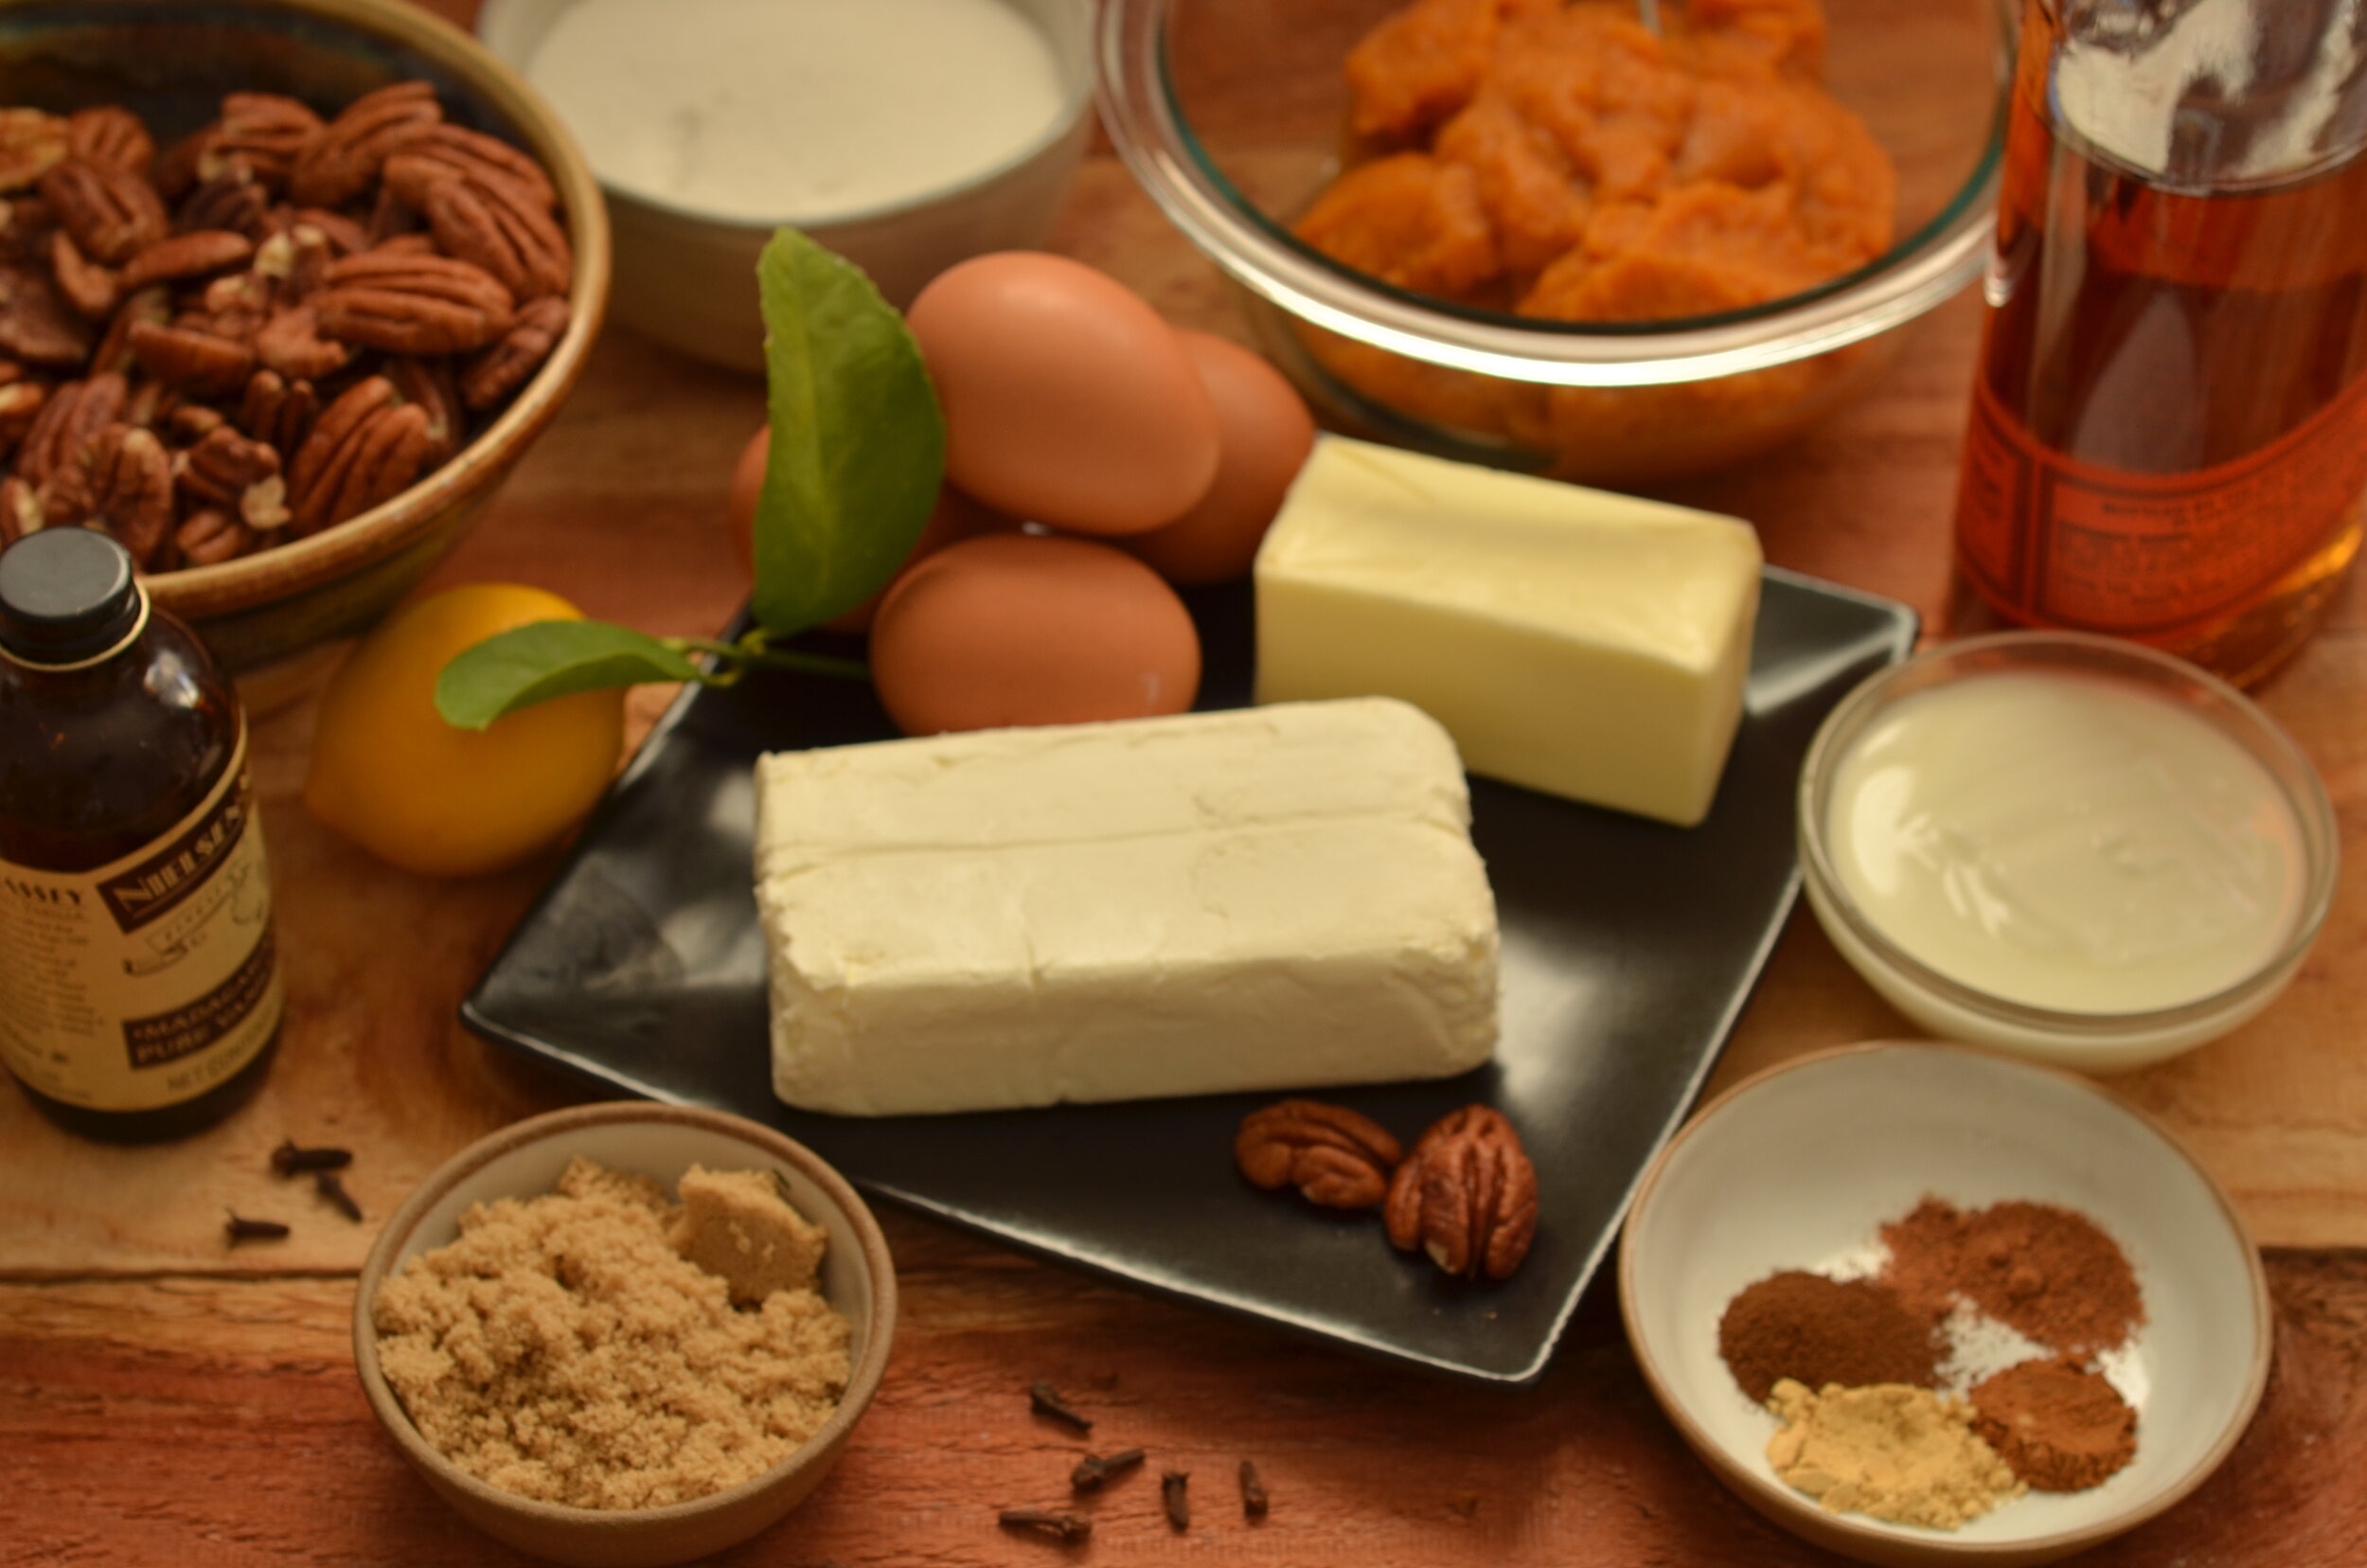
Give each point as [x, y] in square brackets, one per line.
[1559, 161]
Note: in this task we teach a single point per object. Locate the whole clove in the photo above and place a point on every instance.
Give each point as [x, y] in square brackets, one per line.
[1252, 1491]
[242, 1229]
[291, 1159]
[1045, 1400]
[1066, 1528]
[326, 1183]
[1171, 1495]
[1092, 1469]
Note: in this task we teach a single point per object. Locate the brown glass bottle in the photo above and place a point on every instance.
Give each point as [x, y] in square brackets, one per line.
[139, 984]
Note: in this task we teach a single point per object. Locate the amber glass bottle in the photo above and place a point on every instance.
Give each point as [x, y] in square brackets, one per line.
[139, 984]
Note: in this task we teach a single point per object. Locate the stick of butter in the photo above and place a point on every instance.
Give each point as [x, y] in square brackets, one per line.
[1582, 642]
[1263, 898]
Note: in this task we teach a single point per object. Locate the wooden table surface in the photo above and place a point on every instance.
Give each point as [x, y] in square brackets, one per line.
[163, 1399]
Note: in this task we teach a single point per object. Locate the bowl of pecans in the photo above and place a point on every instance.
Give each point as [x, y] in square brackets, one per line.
[286, 287]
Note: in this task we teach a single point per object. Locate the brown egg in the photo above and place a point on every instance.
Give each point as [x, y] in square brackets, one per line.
[1268, 433]
[954, 516]
[1067, 400]
[1027, 629]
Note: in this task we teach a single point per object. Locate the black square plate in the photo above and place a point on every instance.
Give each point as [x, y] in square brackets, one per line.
[1628, 950]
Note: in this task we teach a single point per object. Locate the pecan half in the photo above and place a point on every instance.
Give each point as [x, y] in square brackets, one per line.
[190, 359]
[35, 324]
[497, 223]
[295, 262]
[375, 461]
[31, 143]
[175, 173]
[121, 482]
[265, 131]
[224, 466]
[19, 509]
[232, 200]
[21, 403]
[499, 371]
[110, 134]
[113, 354]
[451, 150]
[25, 228]
[191, 255]
[346, 236]
[1466, 1196]
[278, 411]
[91, 289]
[112, 212]
[74, 415]
[421, 305]
[1333, 1155]
[291, 342]
[431, 386]
[210, 536]
[339, 162]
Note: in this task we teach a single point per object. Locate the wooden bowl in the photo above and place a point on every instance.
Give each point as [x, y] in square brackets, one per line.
[170, 63]
[1799, 1167]
[660, 1141]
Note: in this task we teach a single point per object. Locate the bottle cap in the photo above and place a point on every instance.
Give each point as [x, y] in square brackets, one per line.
[67, 595]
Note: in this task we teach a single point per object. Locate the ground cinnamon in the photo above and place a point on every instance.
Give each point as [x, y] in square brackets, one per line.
[1818, 1332]
[2052, 1274]
[2059, 1426]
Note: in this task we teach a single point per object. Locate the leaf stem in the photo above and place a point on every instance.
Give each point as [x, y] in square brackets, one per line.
[755, 650]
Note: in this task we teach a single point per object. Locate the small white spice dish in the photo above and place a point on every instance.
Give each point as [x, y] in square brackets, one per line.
[524, 1160]
[1800, 1167]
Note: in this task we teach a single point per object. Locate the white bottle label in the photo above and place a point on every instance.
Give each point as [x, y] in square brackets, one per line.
[146, 982]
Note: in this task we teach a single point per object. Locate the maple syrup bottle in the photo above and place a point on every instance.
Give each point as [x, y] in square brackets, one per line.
[2169, 429]
[139, 984]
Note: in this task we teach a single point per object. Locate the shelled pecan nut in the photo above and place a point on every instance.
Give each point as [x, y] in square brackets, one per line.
[35, 324]
[75, 414]
[195, 254]
[110, 134]
[113, 354]
[91, 289]
[112, 212]
[340, 162]
[31, 144]
[375, 462]
[294, 263]
[346, 236]
[497, 224]
[291, 342]
[451, 150]
[432, 387]
[190, 359]
[419, 305]
[211, 536]
[19, 509]
[21, 403]
[278, 411]
[500, 370]
[224, 465]
[1334, 1156]
[232, 200]
[25, 228]
[264, 131]
[121, 482]
[1466, 1196]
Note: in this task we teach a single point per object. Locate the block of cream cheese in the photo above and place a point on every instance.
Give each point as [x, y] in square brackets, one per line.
[1269, 898]
[1585, 644]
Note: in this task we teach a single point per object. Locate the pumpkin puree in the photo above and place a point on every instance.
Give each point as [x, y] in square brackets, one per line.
[1554, 158]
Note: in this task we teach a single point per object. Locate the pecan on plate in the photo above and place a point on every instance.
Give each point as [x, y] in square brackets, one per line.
[1333, 1155]
[110, 134]
[121, 482]
[451, 150]
[419, 305]
[499, 371]
[72, 418]
[266, 132]
[35, 324]
[31, 143]
[112, 212]
[91, 289]
[190, 359]
[1466, 1196]
[365, 449]
[498, 225]
[193, 254]
[339, 162]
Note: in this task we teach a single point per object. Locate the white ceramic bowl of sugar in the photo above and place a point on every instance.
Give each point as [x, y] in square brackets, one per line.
[686, 275]
[1801, 1165]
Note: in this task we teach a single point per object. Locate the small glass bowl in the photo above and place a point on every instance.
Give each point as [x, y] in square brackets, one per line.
[2093, 1042]
[1232, 113]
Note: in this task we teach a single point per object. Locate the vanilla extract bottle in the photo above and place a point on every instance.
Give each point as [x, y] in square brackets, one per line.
[141, 994]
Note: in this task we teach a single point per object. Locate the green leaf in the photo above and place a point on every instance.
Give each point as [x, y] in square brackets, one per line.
[858, 441]
[535, 663]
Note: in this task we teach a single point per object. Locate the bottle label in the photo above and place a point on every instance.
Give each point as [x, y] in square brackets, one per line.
[146, 982]
[2058, 542]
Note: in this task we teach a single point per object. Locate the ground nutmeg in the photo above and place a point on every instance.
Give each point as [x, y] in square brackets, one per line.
[1817, 1331]
[2060, 1427]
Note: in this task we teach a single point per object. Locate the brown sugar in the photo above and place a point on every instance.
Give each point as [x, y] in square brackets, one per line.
[563, 1348]
[2052, 1274]
[735, 1224]
[2060, 1427]
[1817, 1331]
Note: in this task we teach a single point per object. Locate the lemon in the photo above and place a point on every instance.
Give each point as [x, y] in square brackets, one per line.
[389, 774]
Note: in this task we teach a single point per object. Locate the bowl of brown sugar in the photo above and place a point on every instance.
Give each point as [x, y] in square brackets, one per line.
[628, 1334]
[1923, 1305]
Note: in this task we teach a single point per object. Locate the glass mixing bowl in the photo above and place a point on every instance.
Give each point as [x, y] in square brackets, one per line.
[1233, 115]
